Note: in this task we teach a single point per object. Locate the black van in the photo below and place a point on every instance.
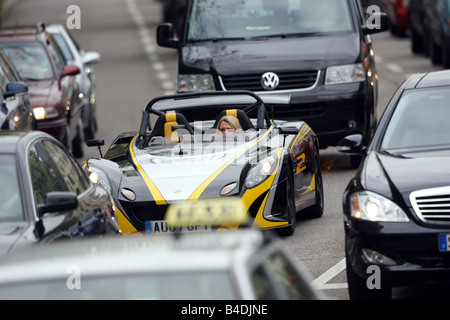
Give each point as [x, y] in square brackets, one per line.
[320, 52]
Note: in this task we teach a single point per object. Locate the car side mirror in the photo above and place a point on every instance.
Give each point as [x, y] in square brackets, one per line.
[14, 88]
[164, 36]
[352, 144]
[377, 22]
[70, 71]
[91, 57]
[58, 201]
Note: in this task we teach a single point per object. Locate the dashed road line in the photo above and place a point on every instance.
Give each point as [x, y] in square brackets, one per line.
[150, 47]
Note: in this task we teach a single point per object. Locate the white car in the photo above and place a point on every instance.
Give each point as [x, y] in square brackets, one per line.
[75, 55]
[244, 264]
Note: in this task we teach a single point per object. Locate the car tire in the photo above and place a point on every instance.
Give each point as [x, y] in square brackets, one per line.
[445, 53]
[316, 211]
[91, 129]
[435, 52]
[417, 43]
[77, 143]
[290, 206]
[358, 289]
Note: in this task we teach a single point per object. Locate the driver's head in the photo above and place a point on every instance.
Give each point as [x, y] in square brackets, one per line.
[228, 124]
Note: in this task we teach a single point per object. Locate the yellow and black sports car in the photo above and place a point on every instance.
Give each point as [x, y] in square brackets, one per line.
[180, 155]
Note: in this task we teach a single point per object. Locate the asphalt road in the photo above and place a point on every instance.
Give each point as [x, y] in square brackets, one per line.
[134, 69]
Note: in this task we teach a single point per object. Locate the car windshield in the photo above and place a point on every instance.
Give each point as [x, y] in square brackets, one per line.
[168, 286]
[238, 19]
[10, 199]
[31, 61]
[420, 123]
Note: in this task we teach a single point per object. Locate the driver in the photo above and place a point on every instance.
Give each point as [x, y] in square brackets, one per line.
[228, 125]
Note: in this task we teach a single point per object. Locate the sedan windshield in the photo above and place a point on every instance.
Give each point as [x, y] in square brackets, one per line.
[31, 61]
[10, 200]
[239, 19]
[420, 123]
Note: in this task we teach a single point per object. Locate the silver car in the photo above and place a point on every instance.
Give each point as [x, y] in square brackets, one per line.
[243, 264]
[74, 54]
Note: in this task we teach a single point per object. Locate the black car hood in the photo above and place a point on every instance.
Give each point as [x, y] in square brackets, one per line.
[274, 54]
[389, 175]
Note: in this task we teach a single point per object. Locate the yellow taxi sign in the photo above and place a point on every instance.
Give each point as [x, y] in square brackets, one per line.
[213, 212]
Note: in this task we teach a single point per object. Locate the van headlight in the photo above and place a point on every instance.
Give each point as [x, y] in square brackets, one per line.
[345, 74]
[195, 83]
[370, 206]
[261, 171]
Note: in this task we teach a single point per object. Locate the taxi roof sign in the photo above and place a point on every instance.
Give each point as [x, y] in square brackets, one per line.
[214, 212]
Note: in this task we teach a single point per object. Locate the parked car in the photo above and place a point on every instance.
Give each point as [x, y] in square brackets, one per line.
[397, 11]
[437, 19]
[272, 165]
[396, 208]
[75, 55]
[417, 27]
[16, 111]
[236, 265]
[45, 195]
[50, 83]
[319, 52]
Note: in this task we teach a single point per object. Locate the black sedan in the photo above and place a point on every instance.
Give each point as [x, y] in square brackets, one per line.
[397, 207]
[45, 195]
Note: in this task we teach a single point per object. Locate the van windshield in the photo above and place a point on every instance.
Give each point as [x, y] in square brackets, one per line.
[243, 19]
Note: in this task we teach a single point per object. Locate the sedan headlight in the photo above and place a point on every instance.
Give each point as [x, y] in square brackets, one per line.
[261, 171]
[345, 74]
[195, 83]
[41, 113]
[367, 205]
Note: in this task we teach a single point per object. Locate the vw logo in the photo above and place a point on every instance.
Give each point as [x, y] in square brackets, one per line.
[270, 81]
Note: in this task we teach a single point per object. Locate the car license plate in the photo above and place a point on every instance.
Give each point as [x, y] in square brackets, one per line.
[161, 227]
[444, 242]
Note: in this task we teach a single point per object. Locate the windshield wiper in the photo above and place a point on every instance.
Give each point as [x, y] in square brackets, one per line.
[285, 35]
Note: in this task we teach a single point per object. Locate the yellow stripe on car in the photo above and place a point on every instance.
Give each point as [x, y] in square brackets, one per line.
[157, 196]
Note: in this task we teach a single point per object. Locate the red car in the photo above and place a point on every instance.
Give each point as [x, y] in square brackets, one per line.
[52, 88]
[397, 11]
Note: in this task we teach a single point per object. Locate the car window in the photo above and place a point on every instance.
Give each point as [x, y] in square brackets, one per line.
[156, 286]
[262, 286]
[72, 174]
[286, 276]
[421, 121]
[3, 78]
[10, 195]
[44, 174]
[56, 54]
[255, 18]
[30, 60]
[63, 46]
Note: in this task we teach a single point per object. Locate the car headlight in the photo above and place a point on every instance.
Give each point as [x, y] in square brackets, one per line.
[99, 177]
[367, 205]
[41, 113]
[345, 74]
[195, 83]
[261, 171]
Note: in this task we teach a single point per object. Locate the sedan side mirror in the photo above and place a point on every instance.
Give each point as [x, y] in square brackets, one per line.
[352, 144]
[14, 88]
[58, 201]
[70, 71]
[164, 36]
[377, 22]
[91, 57]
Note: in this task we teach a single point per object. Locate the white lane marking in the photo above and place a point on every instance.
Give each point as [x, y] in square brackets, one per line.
[321, 281]
[150, 47]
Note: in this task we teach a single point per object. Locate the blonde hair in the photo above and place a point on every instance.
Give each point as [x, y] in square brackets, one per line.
[232, 121]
